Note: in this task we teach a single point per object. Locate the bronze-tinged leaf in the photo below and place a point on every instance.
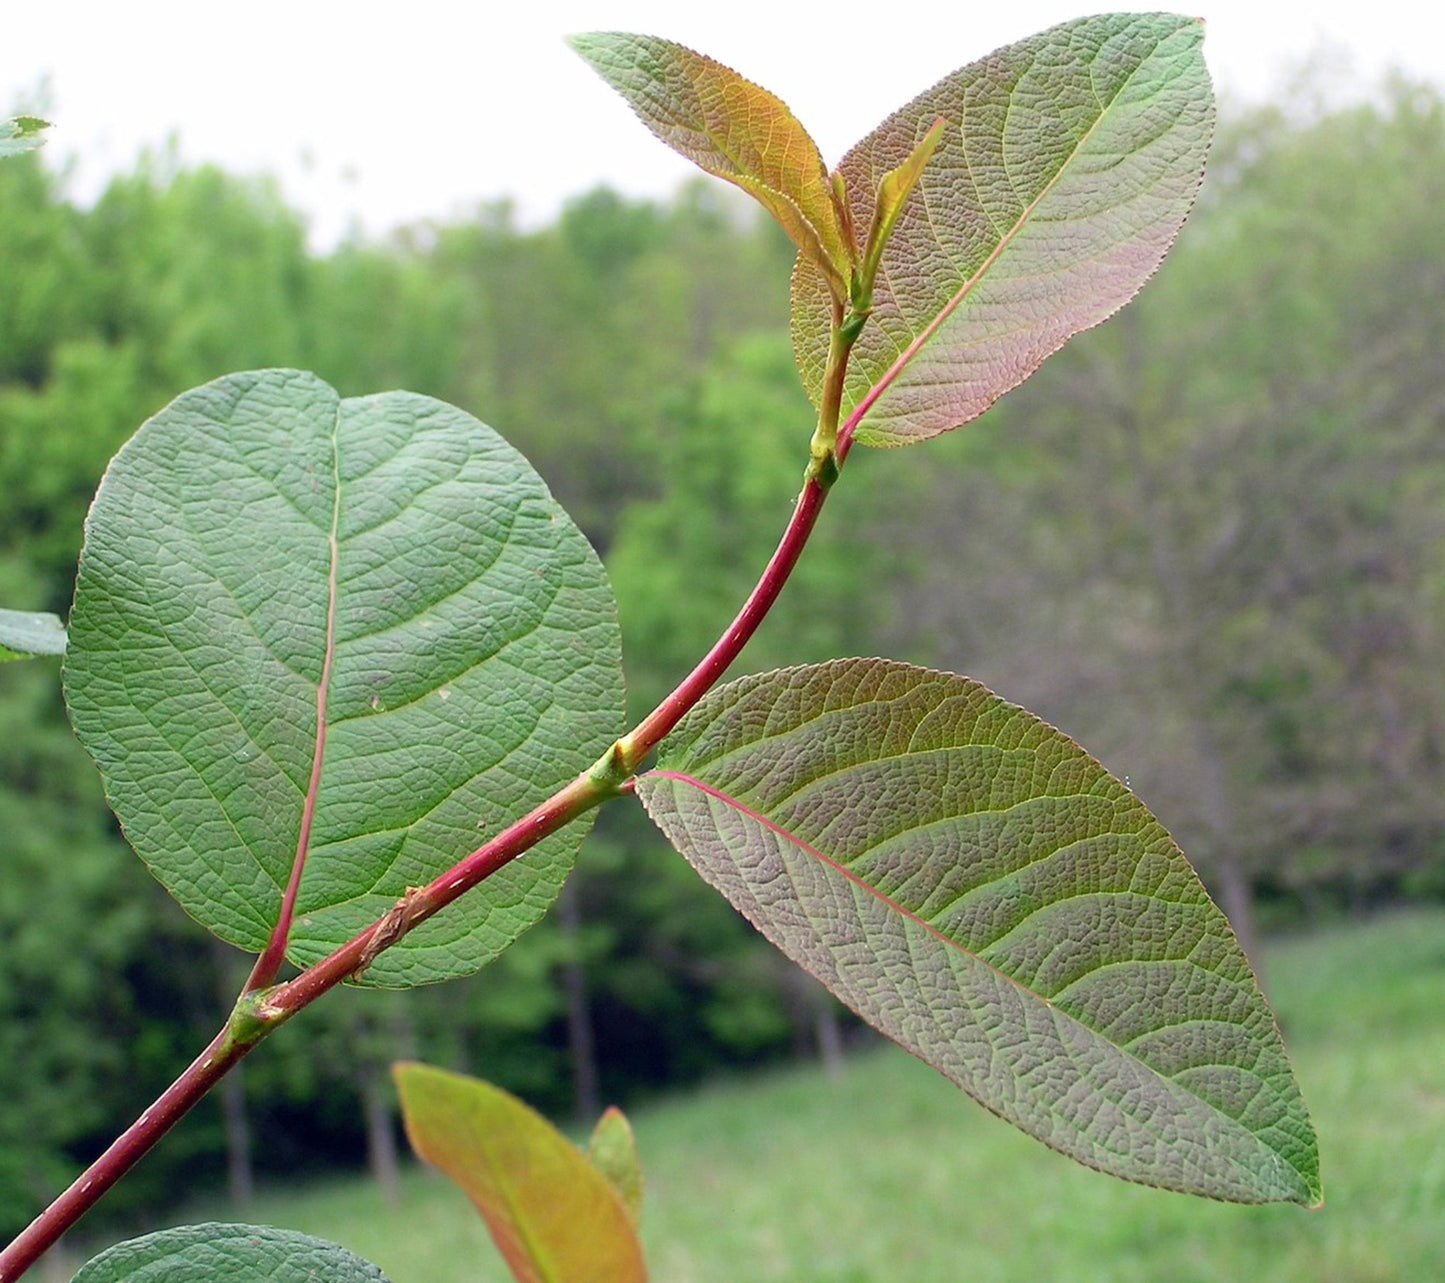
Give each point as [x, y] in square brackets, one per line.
[733, 129]
[976, 886]
[553, 1216]
[1067, 167]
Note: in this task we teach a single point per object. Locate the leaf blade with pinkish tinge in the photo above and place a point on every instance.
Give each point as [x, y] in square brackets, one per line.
[1070, 161]
[733, 129]
[976, 886]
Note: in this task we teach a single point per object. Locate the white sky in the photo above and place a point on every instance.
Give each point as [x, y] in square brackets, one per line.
[374, 115]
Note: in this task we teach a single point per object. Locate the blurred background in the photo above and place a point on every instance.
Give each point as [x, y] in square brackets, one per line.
[1207, 540]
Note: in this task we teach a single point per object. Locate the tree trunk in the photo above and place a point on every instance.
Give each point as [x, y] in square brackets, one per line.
[581, 1041]
[1184, 655]
[240, 1180]
[235, 1120]
[381, 1155]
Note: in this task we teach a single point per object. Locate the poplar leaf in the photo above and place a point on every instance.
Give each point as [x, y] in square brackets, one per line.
[1067, 166]
[367, 613]
[553, 1216]
[204, 1253]
[973, 884]
[733, 129]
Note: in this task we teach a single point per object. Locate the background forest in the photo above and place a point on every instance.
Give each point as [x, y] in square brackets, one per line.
[1208, 540]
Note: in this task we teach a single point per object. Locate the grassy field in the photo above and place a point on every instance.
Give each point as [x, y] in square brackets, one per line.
[888, 1173]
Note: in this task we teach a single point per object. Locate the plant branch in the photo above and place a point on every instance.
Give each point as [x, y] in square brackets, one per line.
[261, 1010]
[633, 748]
[124, 1152]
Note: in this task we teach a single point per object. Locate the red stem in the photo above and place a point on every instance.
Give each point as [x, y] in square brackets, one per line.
[124, 1152]
[271, 1007]
[651, 730]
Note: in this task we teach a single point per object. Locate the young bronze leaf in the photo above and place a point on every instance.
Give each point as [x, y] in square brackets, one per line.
[205, 1253]
[733, 129]
[1067, 166]
[553, 1216]
[972, 883]
[360, 634]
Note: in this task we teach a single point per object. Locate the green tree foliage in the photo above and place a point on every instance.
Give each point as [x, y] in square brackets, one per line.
[71, 922]
[682, 563]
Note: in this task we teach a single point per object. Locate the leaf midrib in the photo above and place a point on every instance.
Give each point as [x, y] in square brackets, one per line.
[313, 788]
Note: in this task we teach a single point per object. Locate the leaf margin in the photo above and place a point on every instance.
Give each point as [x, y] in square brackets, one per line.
[727, 870]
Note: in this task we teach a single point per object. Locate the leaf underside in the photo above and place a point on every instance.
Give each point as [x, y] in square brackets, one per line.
[263, 560]
[1067, 166]
[24, 633]
[973, 884]
[554, 1217]
[204, 1253]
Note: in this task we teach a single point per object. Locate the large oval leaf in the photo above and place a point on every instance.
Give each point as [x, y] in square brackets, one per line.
[973, 884]
[205, 1253]
[366, 615]
[1068, 163]
[554, 1216]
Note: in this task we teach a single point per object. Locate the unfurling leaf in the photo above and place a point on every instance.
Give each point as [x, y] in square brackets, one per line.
[972, 883]
[553, 1216]
[366, 615]
[26, 632]
[1067, 166]
[894, 189]
[732, 128]
[613, 1151]
[206, 1253]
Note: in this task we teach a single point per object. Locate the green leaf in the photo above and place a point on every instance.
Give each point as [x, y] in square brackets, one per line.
[894, 189]
[26, 632]
[732, 128]
[205, 1253]
[972, 883]
[274, 581]
[613, 1151]
[1068, 164]
[553, 1216]
[21, 134]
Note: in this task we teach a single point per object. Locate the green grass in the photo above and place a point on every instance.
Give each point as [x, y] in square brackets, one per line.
[888, 1173]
